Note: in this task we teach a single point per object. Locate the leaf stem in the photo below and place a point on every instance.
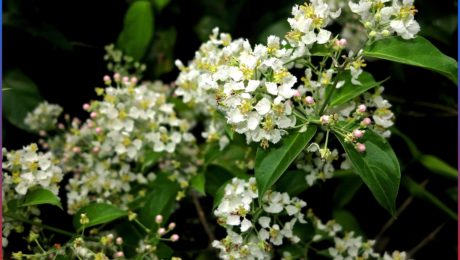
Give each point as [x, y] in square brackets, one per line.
[57, 230]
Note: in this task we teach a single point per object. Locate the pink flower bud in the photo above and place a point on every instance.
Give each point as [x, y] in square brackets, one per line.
[86, 106]
[119, 241]
[324, 119]
[45, 146]
[76, 149]
[42, 133]
[116, 77]
[174, 237]
[366, 121]
[360, 147]
[110, 236]
[90, 124]
[98, 130]
[93, 115]
[161, 231]
[125, 79]
[172, 225]
[296, 93]
[358, 133]
[107, 80]
[134, 80]
[362, 108]
[309, 100]
[61, 126]
[119, 254]
[343, 42]
[159, 219]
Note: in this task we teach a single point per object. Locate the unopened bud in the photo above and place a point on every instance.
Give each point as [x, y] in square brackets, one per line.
[172, 225]
[159, 219]
[98, 130]
[362, 108]
[93, 115]
[86, 106]
[360, 147]
[161, 231]
[119, 241]
[119, 254]
[358, 133]
[309, 100]
[175, 237]
[324, 119]
[116, 77]
[107, 80]
[366, 121]
[76, 149]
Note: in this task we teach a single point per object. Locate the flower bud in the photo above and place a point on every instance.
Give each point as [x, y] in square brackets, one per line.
[119, 241]
[175, 237]
[358, 133]
[159, 219]
[107, 80]
[86, 106]
[172, 225]
[61, 126]
[134, 80]
[362, 108]
[93, 115]
[119, 254]
[325, 119]
[366, 121]
[76, 149]
[98, 130]
[360, 147]
[116, 77]
[309, 100]
[161, 231]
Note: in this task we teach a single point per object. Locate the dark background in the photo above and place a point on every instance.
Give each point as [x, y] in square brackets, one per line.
[60, 46]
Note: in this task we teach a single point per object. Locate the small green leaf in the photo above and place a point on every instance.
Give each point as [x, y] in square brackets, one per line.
[160, 200]
[163, 251]
[273, 162]
[137, 31]
[220, 194]
[378, 167]
[292, 182]
[416, 52]
[438, 166]
[150, 159]
[349, 91]
[22, 98]
[347, 221]
[215, 176]
[98, 213]
[346, 190]
[420, 192]
[41, 196]
[160, 4]
[198, 183]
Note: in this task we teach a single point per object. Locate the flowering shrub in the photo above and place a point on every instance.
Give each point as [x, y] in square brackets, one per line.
[276, 119]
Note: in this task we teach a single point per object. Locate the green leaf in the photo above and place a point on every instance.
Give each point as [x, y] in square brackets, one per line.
[160, 200]
[417, 52]
[229, 159]
[23, 97]
[279, 29]
[349, 91]
[438, 166]
[161, 55]
[420, 192]
[345, 191]
[150, 159]
[271, 163]
[163, 251]
[41, 196]
[137, 31]
[215, 176]
[292, 182]
[198, 183]
[347, 221]
[160, 4]
[378, 167]
[220, 194]
[98, 213]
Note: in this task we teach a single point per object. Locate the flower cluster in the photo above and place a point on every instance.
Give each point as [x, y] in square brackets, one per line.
[44, 117]
[251, 231]
[383, 18]
[347, 245]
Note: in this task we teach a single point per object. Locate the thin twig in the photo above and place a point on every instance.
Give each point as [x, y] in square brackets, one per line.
[202, 217]
[425, 241]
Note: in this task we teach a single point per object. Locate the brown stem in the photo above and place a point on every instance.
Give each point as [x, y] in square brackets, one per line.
[425, 241]
[202, 217]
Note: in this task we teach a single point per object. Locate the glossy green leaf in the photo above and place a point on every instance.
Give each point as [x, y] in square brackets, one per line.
[41, 196]
[220, 194]
[438, 166]
[416, 52]
[149, 159]
[347, 221]
[271, 163]
[420, 192]
[349, 91]
[346, 190]
[292, 182]
[215, 176]
[22, 97]
[198, 183]
[161, 55]
[160, 4]
[378, 167]
[98, 213]
[160, 200]
[137, 31]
